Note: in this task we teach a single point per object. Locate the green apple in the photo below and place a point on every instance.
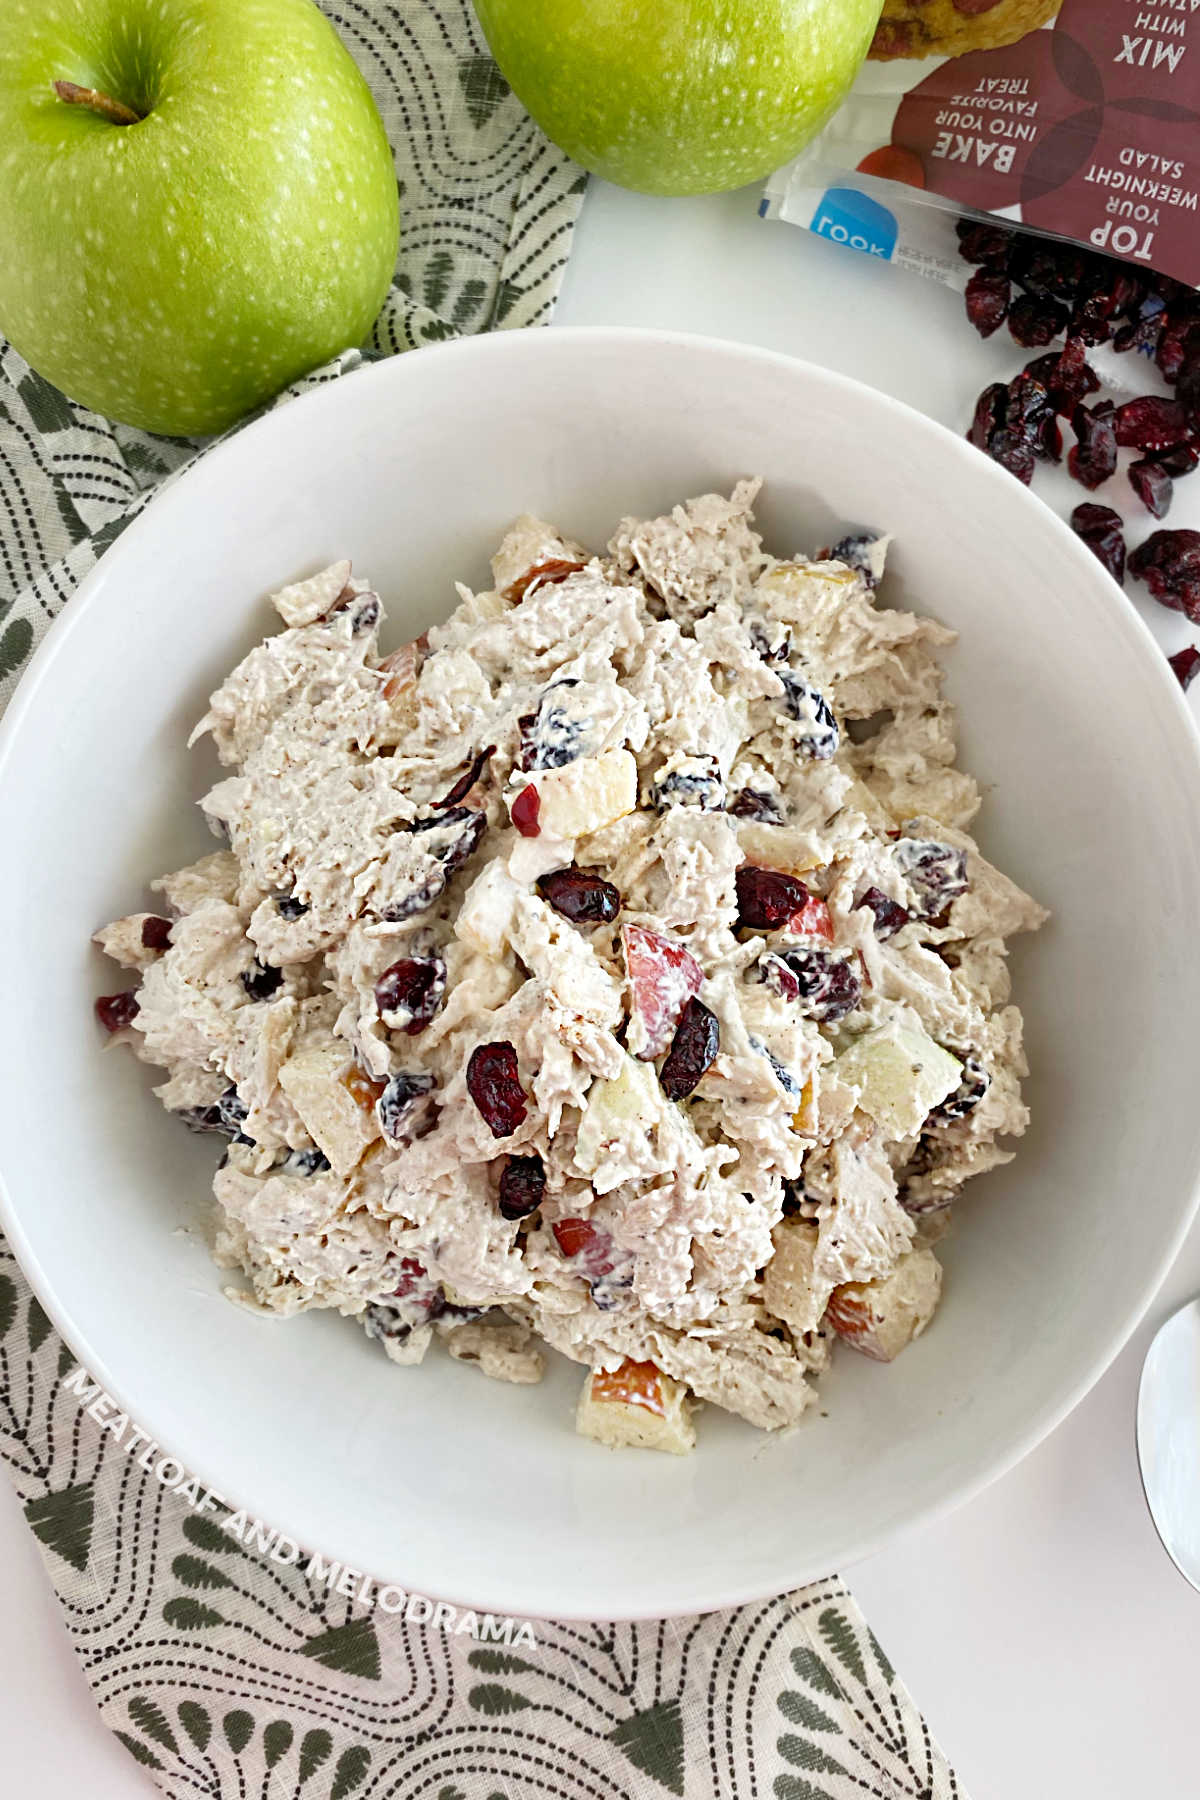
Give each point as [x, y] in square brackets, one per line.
[680, 96]
[197, 201]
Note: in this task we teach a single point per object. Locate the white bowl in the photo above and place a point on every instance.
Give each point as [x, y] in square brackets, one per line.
[436, 1478]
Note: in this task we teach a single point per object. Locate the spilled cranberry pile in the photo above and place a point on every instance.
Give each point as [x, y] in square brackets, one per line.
[1047, 291]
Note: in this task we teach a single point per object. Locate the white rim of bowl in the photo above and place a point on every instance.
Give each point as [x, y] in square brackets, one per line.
[1124, 616]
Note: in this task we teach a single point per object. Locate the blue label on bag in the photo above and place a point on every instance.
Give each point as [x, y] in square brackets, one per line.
[849, 217]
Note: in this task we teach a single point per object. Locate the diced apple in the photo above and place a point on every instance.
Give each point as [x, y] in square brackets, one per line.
[778, 846]
[335, 1101]
[616, 1109]
[880, 1318]
[402, 668]
[487, 915]
[636, 1407]
[574, 1236]
[663, 977]
[586, 795]
[826, 1106]
[528, 542]
[813, 919]
[303, 602]
[789, 1291]
[859, 798]
[901, 1074]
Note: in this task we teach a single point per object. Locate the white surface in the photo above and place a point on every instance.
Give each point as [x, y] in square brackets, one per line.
[1039, 1296]
[1045, 1634]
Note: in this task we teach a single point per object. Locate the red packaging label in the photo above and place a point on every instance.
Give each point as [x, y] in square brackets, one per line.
[1090, 130]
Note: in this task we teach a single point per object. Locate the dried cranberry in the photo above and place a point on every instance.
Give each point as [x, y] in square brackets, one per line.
[1144, 329]
[1093, 458]
[936, 872]
[494, 1084]
[1188, 391]
[1029, 414]
[306, 1162]
[409, 993]
[1106, 292]
[1152, 485]
[404, 1109]
[1049, 271]
[1066, 375]
[522, 1186]
[1185, 663]
[1012, 442]
[771, 638]
[289, 908]
[524, 810]
[418, 897]
[156, 932]
[860, 551]
[1014, 452]
[1049, 440]
[980, 243]
[990, 409]
[1027, 403]
[456, 835]
[693, 1050]
[987, 298]
[747, 804]
[818, 736]
[554, 735]
[1180, 459]
[1179, 336]
[1150, 423]
[1033, 321]
[966, 1097]
[890, 916]
[825, 985]
[412, 1274]
[116, 1011]
[1091, 318]
[580, 895]
[767, 898]
[227, 1116]
[695, 781]
[1169, 563]
[467, 780]
[261, 980]
[1102, 531]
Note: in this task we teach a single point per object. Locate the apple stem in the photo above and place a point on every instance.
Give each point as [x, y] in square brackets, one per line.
[96, 102]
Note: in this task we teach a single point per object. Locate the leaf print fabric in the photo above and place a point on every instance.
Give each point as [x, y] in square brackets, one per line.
[226, 1674]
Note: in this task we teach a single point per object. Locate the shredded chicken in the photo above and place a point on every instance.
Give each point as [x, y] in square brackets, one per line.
[484, 997]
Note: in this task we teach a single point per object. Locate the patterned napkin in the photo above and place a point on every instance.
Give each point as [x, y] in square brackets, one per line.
[231, 1673]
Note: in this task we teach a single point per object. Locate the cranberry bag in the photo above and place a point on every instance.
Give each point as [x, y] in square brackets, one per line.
[1081, 121]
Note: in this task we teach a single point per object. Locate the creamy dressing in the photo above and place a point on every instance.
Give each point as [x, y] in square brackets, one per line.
[661, 715]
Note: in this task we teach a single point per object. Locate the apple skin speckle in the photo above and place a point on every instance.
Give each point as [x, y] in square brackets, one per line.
[175, 273]
[642, 96]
